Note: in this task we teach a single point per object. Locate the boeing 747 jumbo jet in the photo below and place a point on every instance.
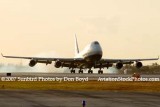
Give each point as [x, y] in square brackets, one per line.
[90, 57]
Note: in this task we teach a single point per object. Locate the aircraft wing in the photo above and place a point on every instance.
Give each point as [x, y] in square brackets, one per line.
[126, 60]
[79, 62]
[66, 62]
[45, 58]
[109, 62]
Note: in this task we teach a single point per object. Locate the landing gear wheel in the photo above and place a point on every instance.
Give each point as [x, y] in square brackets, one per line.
[100, 72]
[72, 71]
[90, 71]
[80, 71]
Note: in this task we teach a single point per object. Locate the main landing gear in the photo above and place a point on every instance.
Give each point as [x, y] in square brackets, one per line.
[80, 71]
[90, 71]
[100, 71]
[72, 71]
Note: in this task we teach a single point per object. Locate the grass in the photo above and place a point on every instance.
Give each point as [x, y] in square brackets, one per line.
[90, 85]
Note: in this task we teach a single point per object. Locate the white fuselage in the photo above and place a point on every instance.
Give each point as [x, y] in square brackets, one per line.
[92, 52]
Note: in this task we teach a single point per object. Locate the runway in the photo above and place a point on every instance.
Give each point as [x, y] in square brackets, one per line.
[57, 98]
[90, 76]
[68, 98]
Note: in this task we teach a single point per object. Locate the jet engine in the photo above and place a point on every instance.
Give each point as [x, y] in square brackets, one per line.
[119, 65]
[139, 64]
[32, 63]
[58, 64]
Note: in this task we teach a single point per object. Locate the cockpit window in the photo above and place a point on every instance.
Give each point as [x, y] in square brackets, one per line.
[96, 42]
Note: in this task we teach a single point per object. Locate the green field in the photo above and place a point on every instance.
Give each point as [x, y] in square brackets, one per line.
[90, 85]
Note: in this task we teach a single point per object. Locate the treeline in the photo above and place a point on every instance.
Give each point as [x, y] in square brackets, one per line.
[147, 69]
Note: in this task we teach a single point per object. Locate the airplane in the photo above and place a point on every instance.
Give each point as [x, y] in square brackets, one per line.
[90, 57]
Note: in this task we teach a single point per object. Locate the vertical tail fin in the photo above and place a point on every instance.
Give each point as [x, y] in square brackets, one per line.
[76, 46]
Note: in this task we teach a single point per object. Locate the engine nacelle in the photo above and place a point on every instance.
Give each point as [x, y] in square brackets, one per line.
[58, 64]
[139, 64]
[119, 65]
[32, 63]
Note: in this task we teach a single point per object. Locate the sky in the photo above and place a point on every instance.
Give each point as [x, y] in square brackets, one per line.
[124, 28]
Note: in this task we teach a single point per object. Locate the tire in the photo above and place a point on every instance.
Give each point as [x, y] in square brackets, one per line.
[100, 72]
[80, 71]
[72, 71]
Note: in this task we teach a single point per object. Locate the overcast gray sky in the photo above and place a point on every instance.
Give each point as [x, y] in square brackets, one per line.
[124, 28]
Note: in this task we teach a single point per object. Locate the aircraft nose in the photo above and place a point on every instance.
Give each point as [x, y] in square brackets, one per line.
[96, 48]
[96, 43]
